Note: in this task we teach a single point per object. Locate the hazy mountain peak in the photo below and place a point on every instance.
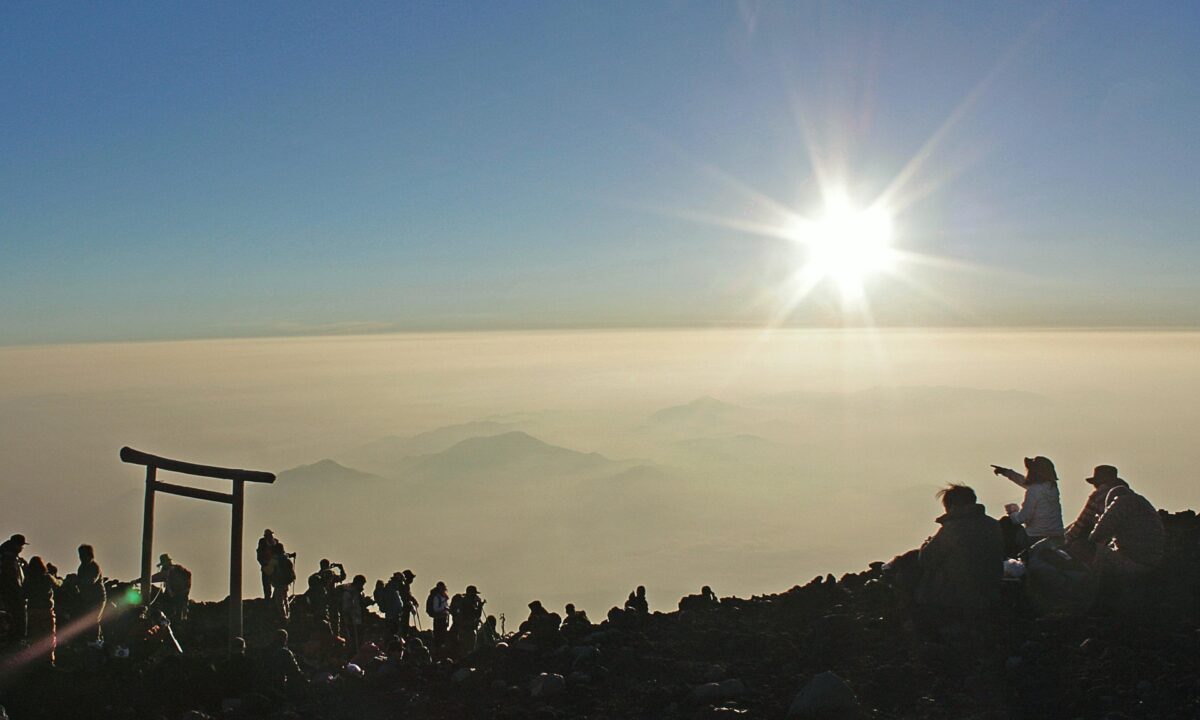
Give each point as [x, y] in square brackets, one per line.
[326, 470]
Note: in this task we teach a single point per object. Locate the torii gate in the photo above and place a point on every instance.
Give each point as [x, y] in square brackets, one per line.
[237, 499]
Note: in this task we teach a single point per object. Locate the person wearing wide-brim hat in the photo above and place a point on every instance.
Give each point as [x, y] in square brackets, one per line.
[1040, 513]
[177, 587]
[1104, 478]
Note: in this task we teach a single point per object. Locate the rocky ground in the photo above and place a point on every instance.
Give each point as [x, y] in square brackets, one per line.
[832, 648]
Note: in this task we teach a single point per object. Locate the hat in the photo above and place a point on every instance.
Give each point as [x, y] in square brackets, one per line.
[18, 539]
[472, 590]
[1104, 474]
[1041, 467]
[535, 604]
[409, 574]
[268, 531]
[164, 560]
[441, 585]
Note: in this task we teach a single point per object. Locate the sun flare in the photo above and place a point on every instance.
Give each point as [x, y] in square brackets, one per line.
[846, 245]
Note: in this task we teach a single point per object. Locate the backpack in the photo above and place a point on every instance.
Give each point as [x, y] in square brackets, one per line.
[179, 580]
[285, 571]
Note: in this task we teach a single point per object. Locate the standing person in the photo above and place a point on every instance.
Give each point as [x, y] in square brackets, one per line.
[390, 602]
[1040, 512]
[282, 572]
[408, 604]
[12, 586]
[39, 592]
[263, 553]
[466, 609]
[92, 596]
[437, 606]
[354, 605]
[321, 586]
[177, 588]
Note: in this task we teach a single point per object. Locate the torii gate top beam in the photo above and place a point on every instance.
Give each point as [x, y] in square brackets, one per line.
[137, 457]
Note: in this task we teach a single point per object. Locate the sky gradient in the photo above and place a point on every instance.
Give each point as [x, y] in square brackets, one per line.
[218, 169]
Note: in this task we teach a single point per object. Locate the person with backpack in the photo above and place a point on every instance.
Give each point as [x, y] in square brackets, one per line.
[1129, 536]
[354, 605]
[437, 606]
[321, 586]
[177, 588]
[264, 553]
[466, 610]
[282, 572]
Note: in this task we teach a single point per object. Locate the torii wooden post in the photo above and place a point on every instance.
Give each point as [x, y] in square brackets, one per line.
[237, 499]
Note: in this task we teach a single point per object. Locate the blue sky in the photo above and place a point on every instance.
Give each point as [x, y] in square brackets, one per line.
[227, 169]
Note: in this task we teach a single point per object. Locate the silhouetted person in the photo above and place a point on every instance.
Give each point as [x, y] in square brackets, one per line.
[12, 586]
[408, 603]
[1040, 512]
[1104, 478]
[281, 670]
[39, 592]
[177, 588]
[467, 611]
[1129, 536]
[961, 566]
[575, 624]
[705, 600]
[636, 603]
[437, 606]
[354, 605]
[488, 636]
[90, 582]
[282, 572]
[321, 585]
[390, 602]
[263, 553]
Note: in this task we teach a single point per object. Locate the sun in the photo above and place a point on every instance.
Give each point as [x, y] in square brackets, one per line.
[845, 246]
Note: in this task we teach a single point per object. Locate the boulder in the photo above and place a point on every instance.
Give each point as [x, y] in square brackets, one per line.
[825, 697]
[547, 685]
[718, 691]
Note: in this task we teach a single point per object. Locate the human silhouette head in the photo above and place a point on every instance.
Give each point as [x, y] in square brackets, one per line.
[360, 581]
[86, 553]
[955, 495]
[1038, 470]
[641, 591]
[281, 638]
[1104, 475]
[324, 563]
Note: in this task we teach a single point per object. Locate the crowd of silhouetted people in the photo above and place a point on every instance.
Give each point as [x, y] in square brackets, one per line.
[1117, 540]
[332, 622]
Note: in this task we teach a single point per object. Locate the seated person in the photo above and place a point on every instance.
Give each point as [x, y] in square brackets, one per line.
[1129, 535]
[961, 567]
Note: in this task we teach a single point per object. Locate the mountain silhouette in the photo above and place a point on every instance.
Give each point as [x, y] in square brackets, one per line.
[388, 456]
[505, 455]
[324, 471]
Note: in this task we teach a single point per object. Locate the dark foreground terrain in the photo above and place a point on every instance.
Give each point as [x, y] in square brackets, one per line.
[1134, 654]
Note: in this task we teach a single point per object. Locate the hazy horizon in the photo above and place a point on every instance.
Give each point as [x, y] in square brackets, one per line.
[579, 464]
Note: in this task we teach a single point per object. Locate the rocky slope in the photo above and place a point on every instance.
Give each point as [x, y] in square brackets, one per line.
[1136, 654]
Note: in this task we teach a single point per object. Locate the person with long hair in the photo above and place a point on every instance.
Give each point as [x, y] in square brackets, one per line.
[1040, 511]
[39, 592]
